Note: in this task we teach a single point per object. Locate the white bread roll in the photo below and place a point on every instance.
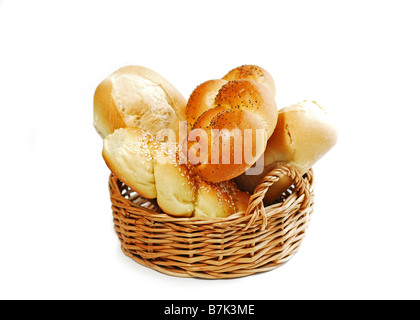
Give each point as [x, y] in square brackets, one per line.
[305, 132]
[130, 156]
[135, 96]
[156, 170]
[241, 102]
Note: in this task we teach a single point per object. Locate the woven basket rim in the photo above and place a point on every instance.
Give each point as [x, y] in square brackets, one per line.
[258, 194]
[257, 240]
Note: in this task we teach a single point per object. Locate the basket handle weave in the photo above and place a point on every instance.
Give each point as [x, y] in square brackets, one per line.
[256, 205]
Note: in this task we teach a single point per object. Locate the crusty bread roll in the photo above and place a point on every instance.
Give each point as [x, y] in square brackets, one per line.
[156, 170]
[229, 111]
[305, 132]
[135, 96]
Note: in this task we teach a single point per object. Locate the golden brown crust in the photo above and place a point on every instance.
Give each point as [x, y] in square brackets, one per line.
[252, 72]
[235, 105]
[230, 144]
[202, 99]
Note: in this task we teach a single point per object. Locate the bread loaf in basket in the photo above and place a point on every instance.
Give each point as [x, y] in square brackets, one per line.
[189, 217]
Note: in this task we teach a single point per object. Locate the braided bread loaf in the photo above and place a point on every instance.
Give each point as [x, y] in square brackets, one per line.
[156, 170]
[234, 117]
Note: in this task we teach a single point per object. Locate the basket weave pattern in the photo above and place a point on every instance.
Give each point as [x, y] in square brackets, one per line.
[258, 240]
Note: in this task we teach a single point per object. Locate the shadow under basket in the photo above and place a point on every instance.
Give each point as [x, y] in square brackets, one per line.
[245, 243]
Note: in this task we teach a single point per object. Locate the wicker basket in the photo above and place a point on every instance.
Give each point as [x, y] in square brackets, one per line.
[258, 240]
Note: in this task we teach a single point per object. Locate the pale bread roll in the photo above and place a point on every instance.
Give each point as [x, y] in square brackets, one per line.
[305, 132]
[130, 156]
[174, 182]
[135, 96]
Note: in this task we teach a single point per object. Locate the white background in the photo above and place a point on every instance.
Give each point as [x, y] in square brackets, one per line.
[360, 59]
